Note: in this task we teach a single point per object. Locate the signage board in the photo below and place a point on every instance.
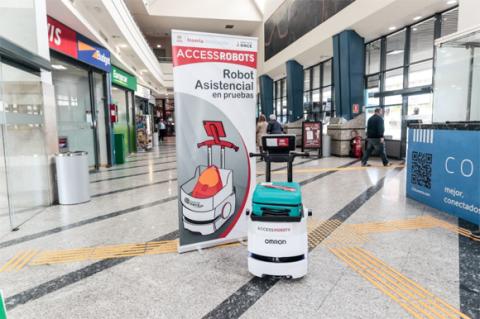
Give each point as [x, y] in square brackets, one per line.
[61, 38]
[215, 91]
[3, 310]
[123, 79]
[442, 176]
[69, 42]
[312, 135]
[142, 92]
[93, 54]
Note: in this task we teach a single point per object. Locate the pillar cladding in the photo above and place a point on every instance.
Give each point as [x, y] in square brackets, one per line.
[266, 95]
[294, 90]
[348, 73]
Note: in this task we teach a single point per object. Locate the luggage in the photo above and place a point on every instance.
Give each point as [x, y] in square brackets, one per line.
[277, 199]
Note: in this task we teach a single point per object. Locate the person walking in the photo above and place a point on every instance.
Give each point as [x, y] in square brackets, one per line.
[375, 138]
[162, 129]
[261, 130]
[274, 127]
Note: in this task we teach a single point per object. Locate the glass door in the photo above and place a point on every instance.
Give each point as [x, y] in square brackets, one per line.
[74, 108]
[25, 181]
[101, 118]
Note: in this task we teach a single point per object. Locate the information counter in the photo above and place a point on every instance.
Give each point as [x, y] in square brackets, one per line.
[443, 163]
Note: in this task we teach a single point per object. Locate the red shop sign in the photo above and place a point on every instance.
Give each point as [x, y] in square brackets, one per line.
[61, 38]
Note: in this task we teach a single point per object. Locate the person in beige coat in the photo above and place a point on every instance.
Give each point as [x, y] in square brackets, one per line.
[261, 130]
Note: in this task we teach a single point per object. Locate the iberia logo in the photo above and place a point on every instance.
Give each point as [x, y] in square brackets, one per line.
[96, 54]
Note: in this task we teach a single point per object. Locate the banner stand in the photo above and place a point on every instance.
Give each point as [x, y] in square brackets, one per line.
[215, 98]
[312, 137]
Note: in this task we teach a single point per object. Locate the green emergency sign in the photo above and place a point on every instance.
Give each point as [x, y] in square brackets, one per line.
[124, 79]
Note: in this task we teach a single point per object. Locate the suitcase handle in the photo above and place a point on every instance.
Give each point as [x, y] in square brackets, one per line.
[275, 212]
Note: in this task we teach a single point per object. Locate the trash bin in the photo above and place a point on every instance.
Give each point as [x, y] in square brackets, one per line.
[73, 179]
[119, 148]
[155, 139]
[326, 141]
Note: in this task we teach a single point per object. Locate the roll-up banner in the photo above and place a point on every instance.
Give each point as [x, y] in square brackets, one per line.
[215, 90]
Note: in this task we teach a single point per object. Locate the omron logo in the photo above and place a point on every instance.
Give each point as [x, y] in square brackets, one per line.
[190, 202]
[275, 241]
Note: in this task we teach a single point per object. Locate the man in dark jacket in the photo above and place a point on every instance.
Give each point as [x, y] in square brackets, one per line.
[274, 127]
[375, 139]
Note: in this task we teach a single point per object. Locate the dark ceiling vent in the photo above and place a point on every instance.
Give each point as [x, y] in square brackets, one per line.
[229, 26]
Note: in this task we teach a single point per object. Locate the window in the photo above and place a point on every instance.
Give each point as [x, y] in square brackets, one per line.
[393, 122]
[394, 80]
[373, 86]
[395, 50]
[449, 22]
[317, 99]
[421, 40]
[420, 74]
[372, 57]
[280, 100]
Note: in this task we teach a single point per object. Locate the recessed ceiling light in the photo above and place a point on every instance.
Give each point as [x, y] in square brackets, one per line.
[452, 2]
[143, 70]
[123, 45]
[159, 46]
[415, 29]
[229, 26]
[58, 67]
[417, 18]
[392, 28]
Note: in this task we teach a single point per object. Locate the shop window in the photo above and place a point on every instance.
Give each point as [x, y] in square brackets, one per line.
[449, 22]
[395, 50]
[393, 99]
[394, 79]
[420, 74]
[421, 40]
[372, 57]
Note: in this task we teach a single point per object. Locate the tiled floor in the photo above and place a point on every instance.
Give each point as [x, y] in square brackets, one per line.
[136, 203]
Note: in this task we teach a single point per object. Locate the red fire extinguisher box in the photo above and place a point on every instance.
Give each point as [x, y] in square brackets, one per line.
[113, 113]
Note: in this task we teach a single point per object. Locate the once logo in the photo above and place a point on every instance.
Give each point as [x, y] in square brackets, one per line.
[275, 241]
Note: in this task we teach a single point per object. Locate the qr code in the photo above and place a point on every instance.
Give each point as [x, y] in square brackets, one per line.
[422, 169]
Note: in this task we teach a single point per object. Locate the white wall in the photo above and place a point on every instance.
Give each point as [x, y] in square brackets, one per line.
[207, 9]
[468, 15]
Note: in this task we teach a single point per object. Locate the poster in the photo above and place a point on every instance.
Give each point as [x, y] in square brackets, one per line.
[311, 135]
[215, 92]
[144, 133]
[444, 171]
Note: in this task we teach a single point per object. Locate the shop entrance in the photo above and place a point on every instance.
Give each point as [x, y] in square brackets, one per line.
[81, 101]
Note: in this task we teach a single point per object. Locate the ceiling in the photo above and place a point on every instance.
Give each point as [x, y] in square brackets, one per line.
[158, 21]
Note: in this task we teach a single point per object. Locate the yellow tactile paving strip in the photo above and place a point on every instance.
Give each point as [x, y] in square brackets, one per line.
[415, 299]
[19, 260]
[338, 236]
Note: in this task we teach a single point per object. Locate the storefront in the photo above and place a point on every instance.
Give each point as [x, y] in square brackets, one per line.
[80, 73]
[123, 87]
[144, 125]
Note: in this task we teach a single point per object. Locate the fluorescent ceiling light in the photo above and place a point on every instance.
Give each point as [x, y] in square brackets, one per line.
[392, 28]
[415, 29]
[395, 52]
[417, 18]
[452, 2]
[58, 67]
[159, 46]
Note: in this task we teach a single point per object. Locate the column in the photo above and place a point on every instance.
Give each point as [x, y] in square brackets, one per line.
[348, 73]
[294, 90]
[266, 95]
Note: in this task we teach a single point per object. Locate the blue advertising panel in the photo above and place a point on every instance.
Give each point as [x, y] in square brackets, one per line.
[444, 170]
[93, 54]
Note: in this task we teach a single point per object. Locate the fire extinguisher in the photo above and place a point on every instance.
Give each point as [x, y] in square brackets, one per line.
[357, 147]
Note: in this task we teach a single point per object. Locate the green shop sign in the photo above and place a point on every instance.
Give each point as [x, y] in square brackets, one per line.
[122, 78]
